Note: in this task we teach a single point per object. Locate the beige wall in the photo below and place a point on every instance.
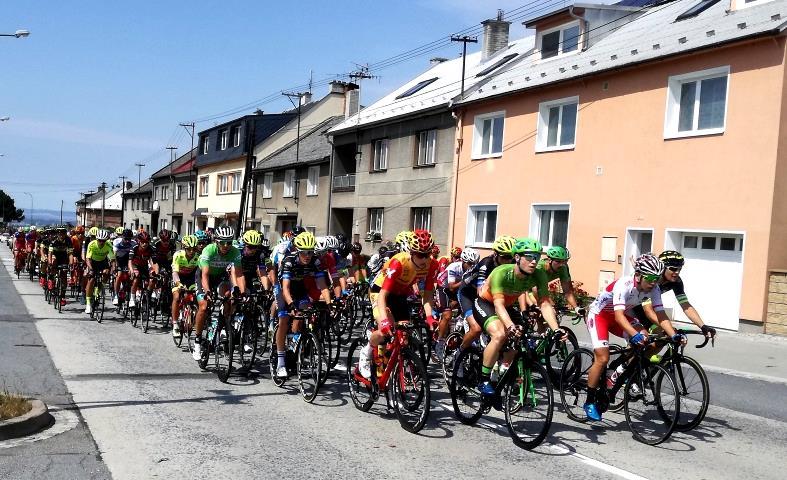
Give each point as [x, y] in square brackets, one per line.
[215, 203]
[720, 182]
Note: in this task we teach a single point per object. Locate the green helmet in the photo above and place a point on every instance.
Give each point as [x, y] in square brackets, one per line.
[526, 245]
[556, 252]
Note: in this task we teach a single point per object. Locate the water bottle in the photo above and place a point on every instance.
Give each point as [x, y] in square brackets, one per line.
[237, 322]
[379, 360]
[613, 378]
[214, 322]
[495, 374]
[292, 341]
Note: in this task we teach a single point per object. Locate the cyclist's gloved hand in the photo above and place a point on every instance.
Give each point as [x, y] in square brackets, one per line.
[386, 326]
[290, 306]
[431, 322]
[580, 311]
[679, 338]
[638, 339]
[560, 334]
[235, 291]
[708, 331]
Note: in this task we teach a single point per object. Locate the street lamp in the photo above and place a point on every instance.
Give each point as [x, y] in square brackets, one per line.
[31, 206]
[17, 34]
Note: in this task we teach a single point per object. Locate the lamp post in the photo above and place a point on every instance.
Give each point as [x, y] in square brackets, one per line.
[31, 205]
[17, 34]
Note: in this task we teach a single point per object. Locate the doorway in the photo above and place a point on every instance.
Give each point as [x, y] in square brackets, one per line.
[638, 241]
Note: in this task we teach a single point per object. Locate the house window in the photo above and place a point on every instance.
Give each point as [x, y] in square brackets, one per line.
[267, 185]
[192, 188]
[313, 180]
[235, 135]
[380, 155]
[179, 192]
[237, 182]
[697, 103]
[426, 148]
[163, 225]
[165, 192]
[204, 144]
[415, 88]
[189, 227]
[155, 193]
[488, 135]
[482, 225]
[289, 183]
[203, 186]
[422, 218]
[223, 134]
[559, 41]
[376, 220]
[557, 124]
[549, 224]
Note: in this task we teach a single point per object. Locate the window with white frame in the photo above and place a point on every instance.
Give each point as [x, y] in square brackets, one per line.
[163, 225]
[549, 224]
[557, 124]
[237, 181]
[205, 144]
[313, 180]
[380, 155]
[178, 191]
[223, 139]
[189, 227]
[235, 134]
[697, 103]
[155, 193]
[224, 183]
[203, 186]
[376, 220]
[267, 185]
[165, 192]
[427, 141]
[192, 188]
[488, 135]
[422, 218]
[559, 40]
[289, 183]
[481, 225]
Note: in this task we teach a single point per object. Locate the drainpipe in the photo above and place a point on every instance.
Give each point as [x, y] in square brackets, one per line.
[584, 27]
[459, 118]
[330, 184]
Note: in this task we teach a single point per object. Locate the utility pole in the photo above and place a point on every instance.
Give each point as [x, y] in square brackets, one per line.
[123, 200]
[465, 40]
[361, 74]
[192, 175]
[250, 128]
[61, 212]
[103, 189]
[299, 96]
[172, 183]
[139, 173]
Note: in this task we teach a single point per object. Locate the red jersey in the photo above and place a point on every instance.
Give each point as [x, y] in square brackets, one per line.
[400, 274]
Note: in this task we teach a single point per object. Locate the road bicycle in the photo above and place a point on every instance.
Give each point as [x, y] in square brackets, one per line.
[398, 372]
[187, 313]
[58, 290]
[219, 342]
[304, 356]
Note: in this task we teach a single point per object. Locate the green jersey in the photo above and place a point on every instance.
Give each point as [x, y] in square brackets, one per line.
[98, 253]
[217, 263]
[503, 282]
[184, 265]
[562, 273]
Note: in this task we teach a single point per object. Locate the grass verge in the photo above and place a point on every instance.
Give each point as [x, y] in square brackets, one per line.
[12, 405]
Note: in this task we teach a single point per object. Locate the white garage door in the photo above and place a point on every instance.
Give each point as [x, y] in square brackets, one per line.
[713, 277]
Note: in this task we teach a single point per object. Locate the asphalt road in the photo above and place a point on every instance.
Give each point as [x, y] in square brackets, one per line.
[154, 414]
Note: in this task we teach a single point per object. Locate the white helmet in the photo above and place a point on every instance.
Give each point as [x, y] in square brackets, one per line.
[102, 235]
[332, 242]
[321, 245]
[648, 264]
[470, 256]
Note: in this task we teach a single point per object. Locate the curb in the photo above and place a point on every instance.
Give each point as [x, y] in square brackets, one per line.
[33, 421]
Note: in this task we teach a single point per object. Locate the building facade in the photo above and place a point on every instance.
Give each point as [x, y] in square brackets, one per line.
[137, 202]
[174, 195]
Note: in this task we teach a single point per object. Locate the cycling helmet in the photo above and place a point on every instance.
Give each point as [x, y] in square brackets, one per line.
[190, 241]
[102, 235]
[163, 234]
[173, 235]
[526, 245]
[407, 238]
[420, 242]
[201, 236]
[92, 232]
[80, 229]
[298, 230]
[126, 233]
[332, 242]
[470, 256]
[341, 238]
[286, 236]
[119, 231]
[671, 258]
[252, 238]
[356, 248]
[143, 236]
[305, 241]
[225, 233]
[556, 252]
[320, 245]
[401, 237]
[648, 264]
[456, 252]
[504, 244]
[265, 243]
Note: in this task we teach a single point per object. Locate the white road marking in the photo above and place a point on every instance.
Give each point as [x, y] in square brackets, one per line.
[65, 420]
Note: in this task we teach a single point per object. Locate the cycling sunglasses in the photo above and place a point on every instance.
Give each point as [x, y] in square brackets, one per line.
[651, 278]
[225, 243]
[531, 257]
[420, 255]
[675, 269]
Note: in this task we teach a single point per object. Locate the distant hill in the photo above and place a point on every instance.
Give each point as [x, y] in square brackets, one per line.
[48, 217]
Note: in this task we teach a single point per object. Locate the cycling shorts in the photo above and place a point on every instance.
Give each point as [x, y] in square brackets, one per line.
[122, 262]
[601, 325]
[444, 297]
[187, 281]
[100, 265]
[143, 272]
[215, 283]
[397, 304]
[484, 312]
[467, 296]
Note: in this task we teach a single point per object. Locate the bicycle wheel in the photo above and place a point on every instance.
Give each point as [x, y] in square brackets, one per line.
[325, 340]
[144, 311]
[529, 405]
[310, 359]
[247, 342]
[692, 383]
[651, 411]
[411, 394]
[362, 391]
[465, 397]
[273, 359]
[188, 312]
[99, 304]
[263, 320]
[574, 383]
[60, 294]
[223, 348]
[556, 353]
[452, 343]
[178, 339]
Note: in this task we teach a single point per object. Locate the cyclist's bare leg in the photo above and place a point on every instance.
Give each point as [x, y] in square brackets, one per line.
[472, 334]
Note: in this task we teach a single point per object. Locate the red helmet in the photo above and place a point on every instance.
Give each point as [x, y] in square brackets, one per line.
[163, 234]
[143, 236]
[456, 252]
[421, 242]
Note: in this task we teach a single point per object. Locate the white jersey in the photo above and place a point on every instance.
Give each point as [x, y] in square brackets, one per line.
[455, 272]
[622, 294]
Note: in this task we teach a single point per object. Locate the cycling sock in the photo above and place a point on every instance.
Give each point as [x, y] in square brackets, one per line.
[367, 350]
[281, 359]
[591, 395]
[486, 372]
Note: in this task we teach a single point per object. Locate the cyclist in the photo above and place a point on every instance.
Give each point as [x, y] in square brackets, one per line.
[42, 255]
[121, 247]
[357, 264]
[98, 255]
[202, 240]
[376, 262]
[555, 265]
[59, 251]
[77, 240]
[19, 249]
[163, 250]
[505, 286]
[671, 281]
[327, 259]
[474, 279]
[343, 259]
[139, 258]
[447, 293]
[611, 312]
[218, 261]
[301, 277]
[184, 263]
[390, 291]
[31, 238]
[253, 262]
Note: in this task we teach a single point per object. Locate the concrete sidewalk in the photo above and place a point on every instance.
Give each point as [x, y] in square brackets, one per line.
[748, 355]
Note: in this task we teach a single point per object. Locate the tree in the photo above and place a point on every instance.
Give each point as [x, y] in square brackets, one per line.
[8, 210]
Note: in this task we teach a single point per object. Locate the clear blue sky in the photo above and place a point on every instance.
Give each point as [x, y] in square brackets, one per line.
[100, 85]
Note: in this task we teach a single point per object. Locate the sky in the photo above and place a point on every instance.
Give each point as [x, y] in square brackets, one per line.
[101, 85]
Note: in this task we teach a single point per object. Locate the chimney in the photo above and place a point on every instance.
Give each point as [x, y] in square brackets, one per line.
[129, 185]
[495, 35]
[306, 98]
[436, 61]
[352, 100]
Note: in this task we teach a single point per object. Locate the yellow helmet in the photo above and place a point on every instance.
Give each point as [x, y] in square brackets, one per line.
[119, 231]
[305, 241]
[92, 232]
[504, 245]
[189, 241]
[252, 237]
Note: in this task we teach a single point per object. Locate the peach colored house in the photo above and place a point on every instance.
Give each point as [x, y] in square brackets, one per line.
[629, 129]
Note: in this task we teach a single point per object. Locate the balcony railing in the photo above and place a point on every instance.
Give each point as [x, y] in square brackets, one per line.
[344, 183]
